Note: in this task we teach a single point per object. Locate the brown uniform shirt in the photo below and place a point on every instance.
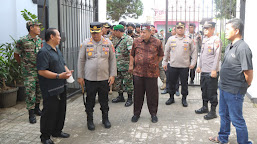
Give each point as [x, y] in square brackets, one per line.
[146, 55]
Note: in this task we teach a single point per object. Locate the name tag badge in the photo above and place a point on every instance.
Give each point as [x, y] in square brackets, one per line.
[173, 44]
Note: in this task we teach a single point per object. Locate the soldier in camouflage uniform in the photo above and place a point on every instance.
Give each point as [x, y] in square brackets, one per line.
[114, 41]
[124, 78]
[25, 54]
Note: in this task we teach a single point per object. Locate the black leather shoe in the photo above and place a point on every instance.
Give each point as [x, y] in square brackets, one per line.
[32, 117]
[47, 141]
[90, 125]
[128, 103]
[184, 102]
[202, 110]
[164, 91]
[154, 119]
[61, 135]
[106, 123]
[210, 115]
[118, 99]
[170, 101]
[135, 118]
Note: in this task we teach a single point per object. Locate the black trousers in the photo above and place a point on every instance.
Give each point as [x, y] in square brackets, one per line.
[100, 87]
[53, 115]
[174, 75]
[149, 86]
[192, 73]
[167, 80]
[209, 88]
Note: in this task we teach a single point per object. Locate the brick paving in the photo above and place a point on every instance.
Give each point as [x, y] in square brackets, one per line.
[176, 125]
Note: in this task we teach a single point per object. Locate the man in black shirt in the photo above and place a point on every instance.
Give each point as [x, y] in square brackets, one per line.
[236, 76]
[53, 73]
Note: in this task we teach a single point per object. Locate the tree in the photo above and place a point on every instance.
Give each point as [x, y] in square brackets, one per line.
[117, 9]
[225, 9]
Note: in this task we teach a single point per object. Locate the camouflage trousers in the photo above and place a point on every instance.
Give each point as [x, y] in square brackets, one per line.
[32, 91]
[162, 72]
[124, 82]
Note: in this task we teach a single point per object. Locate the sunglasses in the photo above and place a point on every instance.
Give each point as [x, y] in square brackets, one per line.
[179, 27]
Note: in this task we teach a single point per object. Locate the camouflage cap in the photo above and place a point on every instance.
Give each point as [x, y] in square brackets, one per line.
[31, 23]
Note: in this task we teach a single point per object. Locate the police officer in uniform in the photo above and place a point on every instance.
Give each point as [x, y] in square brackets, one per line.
[25, 53]
[209, 67]
[181, 52]
[106, 29]
[124, 80]
[197, 40]
[97, 69]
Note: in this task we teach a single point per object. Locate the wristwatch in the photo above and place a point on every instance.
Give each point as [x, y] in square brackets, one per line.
[57, 76]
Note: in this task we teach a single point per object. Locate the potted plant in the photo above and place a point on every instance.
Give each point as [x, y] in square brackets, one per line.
[8, 70]
[19, 79]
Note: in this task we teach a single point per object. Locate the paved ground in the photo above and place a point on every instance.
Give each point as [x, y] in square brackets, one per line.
[177, 125]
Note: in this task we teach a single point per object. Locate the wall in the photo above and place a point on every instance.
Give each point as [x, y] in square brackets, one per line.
[250, 38]
[12, 22]
[102, 8]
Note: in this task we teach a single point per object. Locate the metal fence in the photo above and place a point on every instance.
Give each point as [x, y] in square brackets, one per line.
[199, 11]
[73, 22]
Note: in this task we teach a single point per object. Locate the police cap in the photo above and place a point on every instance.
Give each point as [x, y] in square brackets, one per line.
[95, 27]
[180, 24]
[107, 25]
[208, 24]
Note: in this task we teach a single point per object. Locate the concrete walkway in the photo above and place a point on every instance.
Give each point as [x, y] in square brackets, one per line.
[176, 125]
